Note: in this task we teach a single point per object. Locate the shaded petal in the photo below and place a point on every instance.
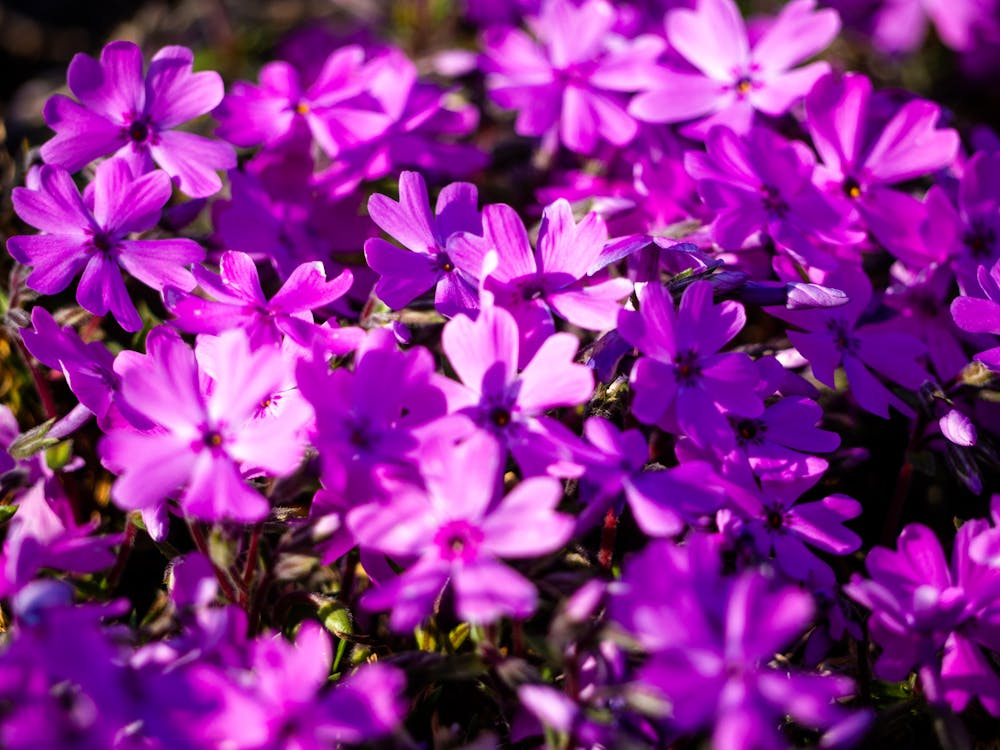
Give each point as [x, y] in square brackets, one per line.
[821, 523]
[486, 590]
[56, 259]
[160, 263]
[552, 379]
[114, 85]
[525, 524]
[712, 37]
[81, 135]
[175, 94]
[193, 161]
[102, 289]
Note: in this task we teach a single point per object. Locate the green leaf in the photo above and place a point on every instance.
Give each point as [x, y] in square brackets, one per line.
[7, 512]
[59, 455]
[27, 444]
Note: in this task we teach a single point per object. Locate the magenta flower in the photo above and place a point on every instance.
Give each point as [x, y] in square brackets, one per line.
[240, 303]
[726, 79]
[331, 109]
[122, 112]
[560, 275]
[778, 528]
[406, 275]
[91, 234]
[423, 125]
[978, 315]
[663, 502]
[458, 529]
[838, 336]
[43, 534]
[572, 85]
[863, 156]
[761, 183]
[964, 229]
[200, 441]
[935, 617]
[712, 642]
[681, 383]
[87, 367]
[510, 405]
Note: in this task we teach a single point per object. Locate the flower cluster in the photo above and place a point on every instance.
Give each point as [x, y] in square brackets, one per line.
[401, 441]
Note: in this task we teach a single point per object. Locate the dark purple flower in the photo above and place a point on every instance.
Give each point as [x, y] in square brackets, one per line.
[712, 643]
[838, 336]
[762, 183]
[92, 235]
[933, 617]
[681, 383]
[406, 275]
[122, 112]
[240, 303]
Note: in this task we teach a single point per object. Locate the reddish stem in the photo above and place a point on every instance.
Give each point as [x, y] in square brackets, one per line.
[608, 532]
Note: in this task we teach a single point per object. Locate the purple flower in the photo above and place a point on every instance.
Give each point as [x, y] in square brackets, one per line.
[557, 276]
[661, 501]
[43, 534]
[572, 85]
[726, 80]
[288, 225]
[920, 606]
[332, 109]
[779, 529]
[367, 419]
[406, 275]
[681, 383]
[240, 303]
[978, 315]
[90, 234]
[458, 528]
[87, 367]
[838, 336]
[761, 183]
[120, 112]
[510, 405]
[200, 440]
[712, 642]
[423, 121]
[964, 229]
[863, 155]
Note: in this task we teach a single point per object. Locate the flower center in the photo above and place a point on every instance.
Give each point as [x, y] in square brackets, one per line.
[851, 188]
[458, 540]
[102, 242]
[774, 519]
[743, 85]
[749, 431]
[212, 439]
[500, 416]
[444, 263]
[774, 204]
[980, 240]
[138, 130]
[842, 337]
[686, 367]
[302, 108]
